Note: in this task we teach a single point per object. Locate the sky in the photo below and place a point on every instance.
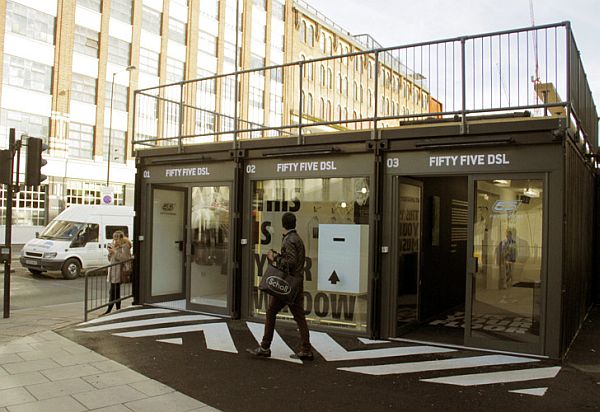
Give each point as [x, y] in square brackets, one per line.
[400, 22]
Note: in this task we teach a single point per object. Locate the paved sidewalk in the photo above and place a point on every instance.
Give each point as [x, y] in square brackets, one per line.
[42, 371]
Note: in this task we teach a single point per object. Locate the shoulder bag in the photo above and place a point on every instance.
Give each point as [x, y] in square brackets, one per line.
[282, 285]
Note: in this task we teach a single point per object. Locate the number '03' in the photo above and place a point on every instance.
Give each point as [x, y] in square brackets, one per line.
[393, 162]
[251, 169]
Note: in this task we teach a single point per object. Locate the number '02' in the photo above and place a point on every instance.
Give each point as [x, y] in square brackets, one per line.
[393, 162]
[250, 169]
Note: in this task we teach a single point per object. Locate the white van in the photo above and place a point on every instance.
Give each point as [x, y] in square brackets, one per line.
[77, 238]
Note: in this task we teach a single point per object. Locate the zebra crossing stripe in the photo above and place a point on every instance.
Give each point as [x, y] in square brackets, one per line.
[333, 351]
[498, 377]
[532, 391]
[217, 335]
[438, 365]
[147, 322]
[279, 349]
[127, 314]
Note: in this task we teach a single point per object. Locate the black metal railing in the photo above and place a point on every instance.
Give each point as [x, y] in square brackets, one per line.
[534, 69]
[97, 288]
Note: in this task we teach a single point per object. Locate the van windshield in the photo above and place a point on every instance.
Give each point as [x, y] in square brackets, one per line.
[61, 229]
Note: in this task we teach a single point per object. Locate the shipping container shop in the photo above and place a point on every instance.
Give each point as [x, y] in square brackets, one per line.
[454, 205]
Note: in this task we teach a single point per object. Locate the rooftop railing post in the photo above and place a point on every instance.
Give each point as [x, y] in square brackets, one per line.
[376, 93]
[569, 63]
[301, 100]
[180, 129]
[463, 75]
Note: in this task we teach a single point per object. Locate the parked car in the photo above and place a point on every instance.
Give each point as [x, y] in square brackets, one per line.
[76, 239]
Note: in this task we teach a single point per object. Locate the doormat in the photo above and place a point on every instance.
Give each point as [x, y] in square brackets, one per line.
[524, 285]
[493, 323]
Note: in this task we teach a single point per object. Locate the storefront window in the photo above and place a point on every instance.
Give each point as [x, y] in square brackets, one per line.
[333, 221]
[508, 250]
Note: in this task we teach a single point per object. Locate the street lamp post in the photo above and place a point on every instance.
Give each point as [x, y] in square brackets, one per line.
[112, 93]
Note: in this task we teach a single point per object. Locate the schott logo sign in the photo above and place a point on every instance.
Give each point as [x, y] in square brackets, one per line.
[277, 283]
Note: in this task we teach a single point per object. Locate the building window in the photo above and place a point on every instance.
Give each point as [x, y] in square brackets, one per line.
[278, 10]
[30, 23]
[322, 109]
[303, 32]
[256, 98]
[329, 79]
[309, 105]
[311, 36]
[86, 41]
[23, 123]
[119, 51]
[175, 70]
[277, 75]
[119, 101]
[149, 61]
[277, 42]
[355, 91]
[27, 74]
[89, 193]
[81, 140]
[117, 145]
[207, 85]
[346, 199]
[210, 8]
[30, 204]
[151, 20]
[207, 43]
[95, 5]
[121, 10]
[177, 31]
[83, 88]
[256, 62]
[262, 4]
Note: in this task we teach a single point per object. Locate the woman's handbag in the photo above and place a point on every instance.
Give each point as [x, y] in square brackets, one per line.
[282, 285]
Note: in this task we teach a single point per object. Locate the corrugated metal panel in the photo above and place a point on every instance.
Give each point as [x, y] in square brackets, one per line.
[578, 244]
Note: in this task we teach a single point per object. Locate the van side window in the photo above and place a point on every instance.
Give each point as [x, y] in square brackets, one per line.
[88, 233]
[112, 229]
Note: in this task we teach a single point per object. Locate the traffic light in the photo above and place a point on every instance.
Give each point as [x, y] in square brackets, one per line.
[5, 167]
[35, 162]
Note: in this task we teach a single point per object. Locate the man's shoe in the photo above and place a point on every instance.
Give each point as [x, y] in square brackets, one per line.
[303, 356]
[260, 351]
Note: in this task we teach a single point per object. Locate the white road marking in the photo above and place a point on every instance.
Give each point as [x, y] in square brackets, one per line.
[333, 351]
[279, 349]
[438, 365]
[147, 322]
[532, 391]
[127, 314]
[372, 341]
[174, 341]
[217, 335]
[498, 377]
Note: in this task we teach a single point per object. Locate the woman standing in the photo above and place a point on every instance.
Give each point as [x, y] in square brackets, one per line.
[119, 251]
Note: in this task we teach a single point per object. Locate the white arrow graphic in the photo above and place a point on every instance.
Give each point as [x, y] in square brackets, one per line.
[217, 335]
[146, 322]
[333, 351]
[279, 349]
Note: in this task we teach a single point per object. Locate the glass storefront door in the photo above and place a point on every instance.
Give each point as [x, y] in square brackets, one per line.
[209, 260]
[408, 250]
[505, 274]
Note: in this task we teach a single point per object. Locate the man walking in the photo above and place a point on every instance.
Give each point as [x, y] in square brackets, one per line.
[290, 260]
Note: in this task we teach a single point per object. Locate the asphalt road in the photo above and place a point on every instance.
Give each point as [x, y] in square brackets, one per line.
[234, 381]
[29, 291]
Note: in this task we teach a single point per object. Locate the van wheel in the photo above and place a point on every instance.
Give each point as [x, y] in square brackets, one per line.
[71, 269]
[35, 272]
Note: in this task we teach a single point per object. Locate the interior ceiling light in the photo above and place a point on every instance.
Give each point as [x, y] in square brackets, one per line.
[529, 192]
[502, 183]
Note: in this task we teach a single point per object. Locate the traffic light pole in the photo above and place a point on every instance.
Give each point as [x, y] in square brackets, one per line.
[8, 225]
